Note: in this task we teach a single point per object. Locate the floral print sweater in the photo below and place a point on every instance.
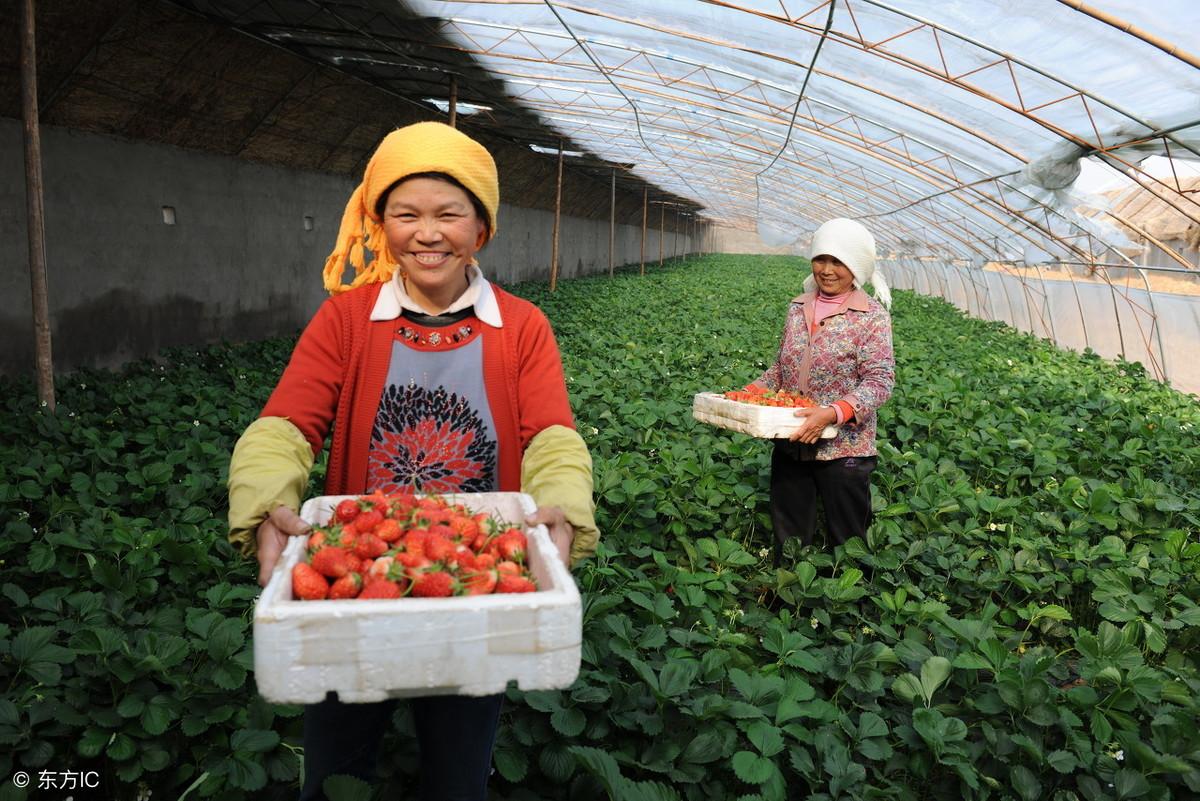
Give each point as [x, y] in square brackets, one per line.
[847, 356]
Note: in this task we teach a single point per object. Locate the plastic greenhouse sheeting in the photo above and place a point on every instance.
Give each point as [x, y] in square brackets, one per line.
[954, 130]
[966, 133]
[1110, 313]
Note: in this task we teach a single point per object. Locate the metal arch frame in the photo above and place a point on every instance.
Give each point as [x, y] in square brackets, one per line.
[1008, 209]
[913, 64]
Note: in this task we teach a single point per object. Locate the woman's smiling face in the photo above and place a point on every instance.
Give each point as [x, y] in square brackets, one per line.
[433, 233]
[832, 277]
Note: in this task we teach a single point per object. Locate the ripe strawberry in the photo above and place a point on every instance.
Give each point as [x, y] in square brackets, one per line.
[368, 520]
[381, 588]
[308, 584]
[389, 530]
[507, 568]
[464, 557]
[511, 545]
[346, 510]
[415, 539]
[331, 562]
[412, 563]
[433, 584]
[347, 536]
[380, 566]
[515, 584]
[465, 529]
[317, 539]
[368, 546]
[438, 549]
[480, 582]
[348, 586]
[484, 561]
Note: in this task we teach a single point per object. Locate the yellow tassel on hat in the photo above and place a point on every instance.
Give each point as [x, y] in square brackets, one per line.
[422, 147]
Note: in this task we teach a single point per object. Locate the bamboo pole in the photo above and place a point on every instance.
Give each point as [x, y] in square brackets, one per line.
[453, 101]
[34, 209]
[557, 217]
[645, 208]
[612, 226]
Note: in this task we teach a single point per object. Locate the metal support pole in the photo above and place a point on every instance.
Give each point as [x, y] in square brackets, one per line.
[645, 208]
[675, 237]
[453, 101]
[557, 216]
[34, 209]
[612, 226]
[662, 232]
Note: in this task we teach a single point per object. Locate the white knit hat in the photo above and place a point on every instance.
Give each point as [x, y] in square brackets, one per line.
[852, 244]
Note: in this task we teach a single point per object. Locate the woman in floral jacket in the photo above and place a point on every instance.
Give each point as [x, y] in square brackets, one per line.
[837, 350]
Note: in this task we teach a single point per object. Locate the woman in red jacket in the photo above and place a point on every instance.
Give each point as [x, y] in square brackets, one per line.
[423, 375]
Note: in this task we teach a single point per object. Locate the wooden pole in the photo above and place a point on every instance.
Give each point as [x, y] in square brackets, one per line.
[645, 208]
[557, 216]
[662, 232]
[453, 101]
[34, 209]
[612, 226]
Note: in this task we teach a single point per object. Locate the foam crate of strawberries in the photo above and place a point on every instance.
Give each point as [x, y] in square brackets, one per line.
[369, 650]
[767, 422]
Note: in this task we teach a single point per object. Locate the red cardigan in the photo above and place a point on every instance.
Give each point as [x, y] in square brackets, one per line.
[340, 364]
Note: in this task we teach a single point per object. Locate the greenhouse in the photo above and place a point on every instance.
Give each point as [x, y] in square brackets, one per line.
[1006, 197]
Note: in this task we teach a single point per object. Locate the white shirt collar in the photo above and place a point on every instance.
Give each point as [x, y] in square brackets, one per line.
[394, 299]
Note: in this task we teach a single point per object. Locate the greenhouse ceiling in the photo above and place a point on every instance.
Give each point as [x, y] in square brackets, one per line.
[959, 128]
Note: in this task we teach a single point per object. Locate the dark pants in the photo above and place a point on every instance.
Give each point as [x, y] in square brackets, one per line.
[843, 485]
[455, 733]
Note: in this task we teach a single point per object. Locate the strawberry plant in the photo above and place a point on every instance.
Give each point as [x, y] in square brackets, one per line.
[1021, 621]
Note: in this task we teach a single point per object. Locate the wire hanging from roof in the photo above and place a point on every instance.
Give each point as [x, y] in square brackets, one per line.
[637, 118]
[767, 232]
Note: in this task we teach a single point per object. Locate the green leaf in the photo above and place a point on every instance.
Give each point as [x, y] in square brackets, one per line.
[568, 722]
[766, 738]
[677, 677]
[751, 768]
[341, 787]
[253, 740]
[92, 742]
[226, 638]
[511, 763]
[544, 700]
[934, 673]
[705, 747]
[1128, 783]
[1062, 761]
[1025, 783]
[908, 688]
[121, 748]
[158, 714]
[871, 725]
[556, 763]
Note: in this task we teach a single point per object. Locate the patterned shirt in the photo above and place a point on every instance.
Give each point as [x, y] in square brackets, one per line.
[434, 430]
[846, 356]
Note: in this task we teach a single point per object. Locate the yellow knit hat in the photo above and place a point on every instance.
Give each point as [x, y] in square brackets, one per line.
[422, 147]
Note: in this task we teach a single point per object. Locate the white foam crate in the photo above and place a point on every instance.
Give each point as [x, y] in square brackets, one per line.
[767, 422]
[376, 649]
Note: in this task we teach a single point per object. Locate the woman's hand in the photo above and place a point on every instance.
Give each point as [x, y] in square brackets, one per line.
[562, 533]
[815, 420]
[273, 538]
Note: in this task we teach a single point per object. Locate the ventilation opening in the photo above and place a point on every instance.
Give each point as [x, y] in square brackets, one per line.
[308, 223]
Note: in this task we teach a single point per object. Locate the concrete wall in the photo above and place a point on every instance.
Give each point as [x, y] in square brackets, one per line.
[733, 240]
[238, 264]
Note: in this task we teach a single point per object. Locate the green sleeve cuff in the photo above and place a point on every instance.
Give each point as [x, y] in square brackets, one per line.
[557, 471]
[270, 466]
